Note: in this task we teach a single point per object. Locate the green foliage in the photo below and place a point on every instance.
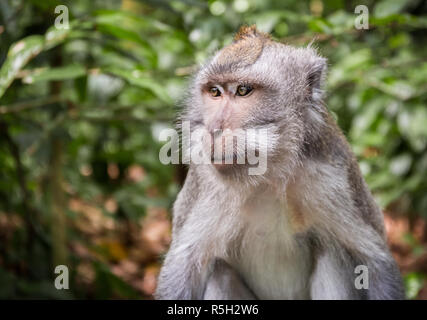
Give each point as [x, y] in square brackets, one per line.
[413, 283]
[105, 86]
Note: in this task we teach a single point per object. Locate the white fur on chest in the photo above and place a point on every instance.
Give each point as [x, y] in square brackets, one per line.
[273, 262]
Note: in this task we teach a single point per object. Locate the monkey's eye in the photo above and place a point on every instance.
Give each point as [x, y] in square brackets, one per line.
[214, 91]
[243, 90]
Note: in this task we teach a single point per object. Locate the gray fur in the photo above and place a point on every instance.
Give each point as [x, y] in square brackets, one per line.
[224, 283]
[249, 221]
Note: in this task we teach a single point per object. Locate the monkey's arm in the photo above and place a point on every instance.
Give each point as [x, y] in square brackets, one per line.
[180, 277]
[348, 236]
[334, 277]
[224, 283]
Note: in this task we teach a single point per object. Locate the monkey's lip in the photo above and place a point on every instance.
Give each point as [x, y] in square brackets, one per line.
[221, 161]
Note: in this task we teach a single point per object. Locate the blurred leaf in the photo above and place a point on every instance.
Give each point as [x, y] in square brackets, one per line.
[320, 25]
[24, 50]
[388, 7]
[137, 78]
[18, 56]
[48, 74]
[413, 284]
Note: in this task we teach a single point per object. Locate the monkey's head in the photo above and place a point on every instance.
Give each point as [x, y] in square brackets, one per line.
[257, 83]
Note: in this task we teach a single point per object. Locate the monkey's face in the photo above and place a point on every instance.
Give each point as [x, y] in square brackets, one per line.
[227, 105]
[257, 84]
[226, 108]
[240, 133]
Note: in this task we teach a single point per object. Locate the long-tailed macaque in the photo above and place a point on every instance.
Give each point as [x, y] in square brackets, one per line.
[300, 229]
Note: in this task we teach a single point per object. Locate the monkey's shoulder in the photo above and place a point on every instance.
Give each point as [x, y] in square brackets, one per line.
[328, 190]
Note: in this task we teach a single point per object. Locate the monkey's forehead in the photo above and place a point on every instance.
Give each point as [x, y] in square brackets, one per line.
[232, 62]
[261, 60]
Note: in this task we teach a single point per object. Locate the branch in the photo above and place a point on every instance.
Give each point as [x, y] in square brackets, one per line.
[21, 106]
[124, 119]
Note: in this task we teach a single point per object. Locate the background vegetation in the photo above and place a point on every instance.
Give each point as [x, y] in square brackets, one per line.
[80, 111]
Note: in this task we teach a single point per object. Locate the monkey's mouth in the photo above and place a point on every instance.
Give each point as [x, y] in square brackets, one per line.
[224, 159]
[223, 155]
[229, 160]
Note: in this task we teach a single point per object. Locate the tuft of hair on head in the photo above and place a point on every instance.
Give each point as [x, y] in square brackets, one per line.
[246, 32]
[245, 49]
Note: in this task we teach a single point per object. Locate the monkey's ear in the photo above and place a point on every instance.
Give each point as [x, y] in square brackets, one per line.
[316, 78]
